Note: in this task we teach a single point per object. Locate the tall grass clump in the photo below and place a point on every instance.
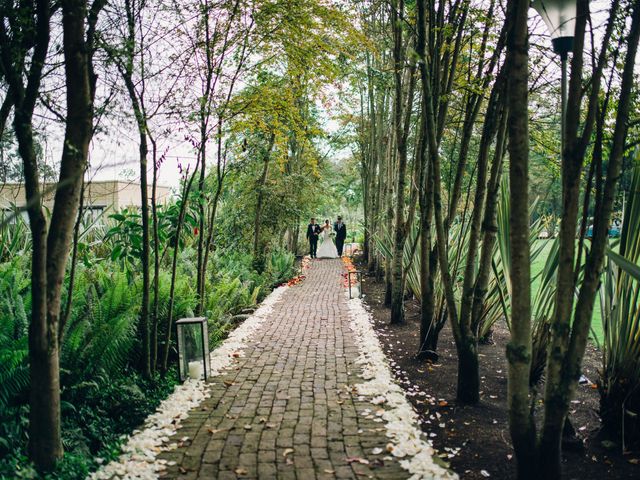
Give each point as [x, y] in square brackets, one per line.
[619, 383]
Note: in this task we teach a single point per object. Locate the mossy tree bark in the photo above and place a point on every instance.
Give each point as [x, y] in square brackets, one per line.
[522, 427]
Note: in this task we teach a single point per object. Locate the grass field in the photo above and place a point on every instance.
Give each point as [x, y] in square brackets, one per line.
[536, 268]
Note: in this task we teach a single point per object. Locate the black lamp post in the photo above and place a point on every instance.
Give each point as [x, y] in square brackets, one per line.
[560, 18]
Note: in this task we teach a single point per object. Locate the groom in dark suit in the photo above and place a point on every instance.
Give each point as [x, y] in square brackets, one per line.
[313, 231]
[341, 234]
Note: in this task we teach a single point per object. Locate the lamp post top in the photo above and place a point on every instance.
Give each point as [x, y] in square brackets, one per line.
[560, 18]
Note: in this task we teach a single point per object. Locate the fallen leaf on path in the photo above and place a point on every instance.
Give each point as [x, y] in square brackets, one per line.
[228, 383]
[484, 473]
[287, 451]
[327, 470]
[241, 471]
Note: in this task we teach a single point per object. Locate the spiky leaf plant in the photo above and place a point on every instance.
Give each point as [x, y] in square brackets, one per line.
[543, 300]
[619, 383]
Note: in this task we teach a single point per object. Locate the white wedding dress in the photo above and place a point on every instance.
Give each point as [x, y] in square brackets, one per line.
[327, 249]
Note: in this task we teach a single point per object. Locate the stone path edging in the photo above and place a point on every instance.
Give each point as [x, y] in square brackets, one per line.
[139, 458]
[406, 439]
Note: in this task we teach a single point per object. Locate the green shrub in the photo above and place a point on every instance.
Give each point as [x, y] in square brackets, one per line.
[102, 394]
[280, 266]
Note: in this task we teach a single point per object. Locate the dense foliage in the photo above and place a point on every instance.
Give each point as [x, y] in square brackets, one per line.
[103, 393]
[432, 127]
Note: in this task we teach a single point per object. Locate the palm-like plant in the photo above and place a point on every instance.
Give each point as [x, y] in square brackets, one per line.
[457, 249]
[280, 265]
[543, 300]
[15, 238]
[619, 383]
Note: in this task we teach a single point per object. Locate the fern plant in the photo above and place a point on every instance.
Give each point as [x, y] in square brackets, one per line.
[102, 331]
[14, 293]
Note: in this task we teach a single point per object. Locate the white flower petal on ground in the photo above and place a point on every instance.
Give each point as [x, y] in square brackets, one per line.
[407, 440]
[138, 460]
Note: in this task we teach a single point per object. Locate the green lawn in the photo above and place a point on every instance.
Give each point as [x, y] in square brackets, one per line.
[538, 265]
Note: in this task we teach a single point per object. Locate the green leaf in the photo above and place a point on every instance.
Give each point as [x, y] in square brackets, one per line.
[629, 267]
[116, 252]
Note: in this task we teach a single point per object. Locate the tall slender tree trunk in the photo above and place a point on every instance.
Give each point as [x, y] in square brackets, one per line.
[567, 346]
[145, 260]
[51, 248]
[388, 197]
[156, 258]
[401, 120]
[427, 295]
[188, 183]
[557, 385]
[521, 425]
[45, 446]
[257, 251]
[489, 227]
[467, 346]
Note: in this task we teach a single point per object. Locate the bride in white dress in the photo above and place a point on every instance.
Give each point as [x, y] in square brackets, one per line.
[328, 248]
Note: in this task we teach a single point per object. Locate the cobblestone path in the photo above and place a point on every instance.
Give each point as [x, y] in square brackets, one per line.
[285, 410]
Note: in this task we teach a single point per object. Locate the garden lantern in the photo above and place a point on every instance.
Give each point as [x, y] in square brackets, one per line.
[560, 18]
[193, 348]
[358, 275]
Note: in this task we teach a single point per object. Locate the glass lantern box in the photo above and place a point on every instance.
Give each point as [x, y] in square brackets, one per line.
[193, 348]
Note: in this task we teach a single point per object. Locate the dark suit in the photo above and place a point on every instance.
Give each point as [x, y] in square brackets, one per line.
[341, 235]
[313, 231]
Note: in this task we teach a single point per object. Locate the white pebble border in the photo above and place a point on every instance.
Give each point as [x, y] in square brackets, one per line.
[406, 439]
[139, 458]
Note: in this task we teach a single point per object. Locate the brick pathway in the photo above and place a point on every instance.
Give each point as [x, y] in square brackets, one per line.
[284, 410]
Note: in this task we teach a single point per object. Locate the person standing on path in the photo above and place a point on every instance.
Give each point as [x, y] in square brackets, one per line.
[341, 234]
[328, 248]
[313, 230]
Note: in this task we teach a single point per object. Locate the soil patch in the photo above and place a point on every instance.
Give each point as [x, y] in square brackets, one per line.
[482, 432]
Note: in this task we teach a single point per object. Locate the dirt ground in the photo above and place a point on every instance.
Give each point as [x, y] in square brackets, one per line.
[481, 432]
